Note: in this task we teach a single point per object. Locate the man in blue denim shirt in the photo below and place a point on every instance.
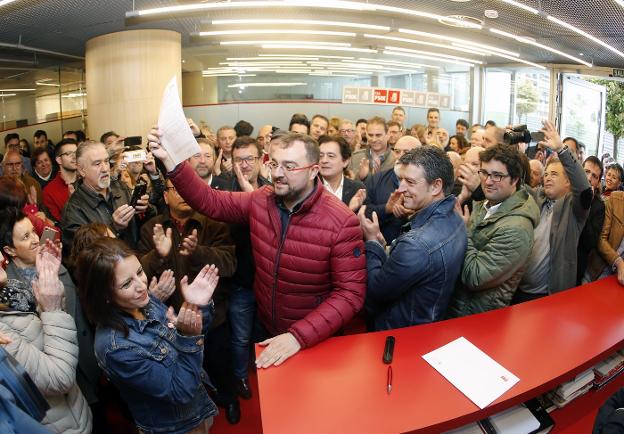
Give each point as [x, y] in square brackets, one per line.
[413, 283]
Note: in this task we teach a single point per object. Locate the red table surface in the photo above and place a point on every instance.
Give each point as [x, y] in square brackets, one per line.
[339, 386]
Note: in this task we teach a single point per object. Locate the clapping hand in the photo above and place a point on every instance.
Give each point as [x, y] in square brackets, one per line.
[463, 213]
[189, 244]
[364, 168]
[370, 227]
[47, 288]
[188, 321]
[243, 182]
[357, 200]
[162, 240]
[163, 288]
[50, 252]
[200, 291]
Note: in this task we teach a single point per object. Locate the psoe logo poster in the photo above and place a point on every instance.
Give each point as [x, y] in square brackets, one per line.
[381, 96]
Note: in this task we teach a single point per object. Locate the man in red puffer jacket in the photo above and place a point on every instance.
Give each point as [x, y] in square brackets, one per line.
[307, 245]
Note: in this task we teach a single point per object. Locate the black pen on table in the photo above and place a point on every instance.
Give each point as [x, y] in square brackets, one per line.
[387, 359]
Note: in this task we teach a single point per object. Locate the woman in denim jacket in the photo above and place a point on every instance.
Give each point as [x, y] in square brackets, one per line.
[153, 357]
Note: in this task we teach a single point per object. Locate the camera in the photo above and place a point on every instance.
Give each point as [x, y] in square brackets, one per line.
[521, 134]
[518, 134]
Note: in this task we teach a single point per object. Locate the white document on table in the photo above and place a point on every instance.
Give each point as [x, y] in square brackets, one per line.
[177, 137]
[473, 372]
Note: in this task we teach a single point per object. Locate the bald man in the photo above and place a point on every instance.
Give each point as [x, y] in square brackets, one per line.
[537, 173]
[469, 177]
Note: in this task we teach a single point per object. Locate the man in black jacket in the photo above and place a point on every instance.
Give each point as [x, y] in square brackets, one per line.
[99, 199]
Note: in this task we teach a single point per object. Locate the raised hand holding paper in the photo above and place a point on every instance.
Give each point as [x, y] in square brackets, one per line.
[473, 372]
[177, 138]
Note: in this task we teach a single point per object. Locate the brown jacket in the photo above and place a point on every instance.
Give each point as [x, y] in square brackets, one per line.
[611, 235]
[215, 246]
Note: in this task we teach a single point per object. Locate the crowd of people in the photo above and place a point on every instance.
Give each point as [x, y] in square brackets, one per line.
[155, 279]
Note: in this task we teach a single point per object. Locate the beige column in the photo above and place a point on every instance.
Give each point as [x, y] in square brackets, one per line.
[199, 90]
[126, 73]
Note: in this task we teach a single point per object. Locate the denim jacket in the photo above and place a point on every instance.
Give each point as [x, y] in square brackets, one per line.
[158, 371]
[413, 284]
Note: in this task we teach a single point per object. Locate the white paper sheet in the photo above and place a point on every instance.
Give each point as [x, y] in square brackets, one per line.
[177, 137]
[473, 372]
[516, 420]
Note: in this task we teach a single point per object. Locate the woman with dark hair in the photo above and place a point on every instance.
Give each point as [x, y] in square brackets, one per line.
[13, 194]
[334, 159]
[43, 334]
[153, 357]
[613, 180]
[459, 144]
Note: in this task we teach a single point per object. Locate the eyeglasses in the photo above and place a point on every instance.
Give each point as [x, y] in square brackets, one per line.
[346, 131]
[249, 160]
[494, 176]
[69, 153]
[288, 168]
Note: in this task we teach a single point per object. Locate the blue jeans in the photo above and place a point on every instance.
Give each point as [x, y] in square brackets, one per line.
[241, 313]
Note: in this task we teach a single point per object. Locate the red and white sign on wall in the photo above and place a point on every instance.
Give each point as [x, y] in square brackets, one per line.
[381, 96]
[407, 98]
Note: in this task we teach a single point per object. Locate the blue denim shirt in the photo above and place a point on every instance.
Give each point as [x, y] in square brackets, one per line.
[413, 284]
[158, 371]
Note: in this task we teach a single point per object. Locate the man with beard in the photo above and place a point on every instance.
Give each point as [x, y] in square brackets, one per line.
[57, 192]
[98, 200]
[309, 255]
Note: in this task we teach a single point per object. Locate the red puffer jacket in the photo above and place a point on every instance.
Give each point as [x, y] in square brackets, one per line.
[311, 282]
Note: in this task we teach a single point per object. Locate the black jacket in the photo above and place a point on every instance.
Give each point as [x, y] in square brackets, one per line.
[87, 206]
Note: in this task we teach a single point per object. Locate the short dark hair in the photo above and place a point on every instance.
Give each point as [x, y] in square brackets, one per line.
[245, 142]
[594, 160]
[8, 218]
[36, 153]
[463, 123]
[509, 156]
[59, 146]
[95, 275]
[80, 135]
[394, 124]
[398, 108]
[490, 123]
[243, 128]
[462, 141]
[435, 164]
[299, 118]
[106, 135]
[311, 146]
[379, 121]
[345, 149]
[12, 193]
[10, 137]
[40, 133]
[433, 110]
[361, 120]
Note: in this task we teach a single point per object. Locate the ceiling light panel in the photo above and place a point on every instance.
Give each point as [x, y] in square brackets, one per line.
[567, 26]
[418, 56]
[323, 4]
[243, 85]
[303, 22]
[434, 55]
[337, 44]
[318, 47]
[463, 41]
[431, 44]
[537, 44]
[276, 32]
